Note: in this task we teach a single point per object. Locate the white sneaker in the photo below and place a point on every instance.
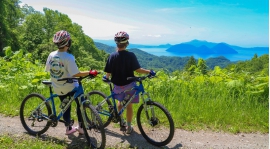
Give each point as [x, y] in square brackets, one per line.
[71, 131]
[129, 130]
[80, 130]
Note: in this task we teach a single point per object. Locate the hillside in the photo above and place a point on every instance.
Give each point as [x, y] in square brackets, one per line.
[165, 62]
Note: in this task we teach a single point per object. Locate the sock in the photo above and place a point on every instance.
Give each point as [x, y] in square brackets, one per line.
[129, 124]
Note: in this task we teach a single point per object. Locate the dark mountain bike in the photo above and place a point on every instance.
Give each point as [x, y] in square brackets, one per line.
[38, 114]
[152, 117]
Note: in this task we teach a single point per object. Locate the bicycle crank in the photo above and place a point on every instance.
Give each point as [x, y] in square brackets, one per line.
[53, 120]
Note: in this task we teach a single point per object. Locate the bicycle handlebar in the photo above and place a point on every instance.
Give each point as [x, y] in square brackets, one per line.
[76, 78]
[138, 79]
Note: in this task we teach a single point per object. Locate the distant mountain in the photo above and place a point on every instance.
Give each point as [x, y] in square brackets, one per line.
[108, 49]
[198, 43]
[220, 48]
[169, 63]
[223, 48]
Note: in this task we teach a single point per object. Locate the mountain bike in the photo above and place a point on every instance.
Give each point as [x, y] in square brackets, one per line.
[153, 119]
[37, 116]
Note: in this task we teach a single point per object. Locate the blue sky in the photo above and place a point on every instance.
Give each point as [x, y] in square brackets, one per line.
[153, 22]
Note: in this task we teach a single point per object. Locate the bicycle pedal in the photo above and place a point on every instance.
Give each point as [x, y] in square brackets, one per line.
[123, 128]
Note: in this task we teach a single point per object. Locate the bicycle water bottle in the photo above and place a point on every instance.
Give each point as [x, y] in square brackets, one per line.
[64, 103]
[126, 98]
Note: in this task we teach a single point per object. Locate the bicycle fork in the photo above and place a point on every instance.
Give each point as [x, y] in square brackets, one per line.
[83, 113]
[151, 120]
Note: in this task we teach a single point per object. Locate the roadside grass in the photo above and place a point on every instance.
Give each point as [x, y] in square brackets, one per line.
[8, 141]
[25, 141]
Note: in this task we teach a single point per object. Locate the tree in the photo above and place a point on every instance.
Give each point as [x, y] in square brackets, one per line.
[191, 62]
[201, 66]
[10, 15]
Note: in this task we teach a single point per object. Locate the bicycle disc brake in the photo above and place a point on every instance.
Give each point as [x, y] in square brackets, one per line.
[53, 120]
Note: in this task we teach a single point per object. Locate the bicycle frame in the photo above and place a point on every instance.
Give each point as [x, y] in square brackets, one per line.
[139, 89]
[78, 93]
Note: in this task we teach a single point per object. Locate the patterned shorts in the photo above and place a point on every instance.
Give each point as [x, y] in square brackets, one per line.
[119, 89]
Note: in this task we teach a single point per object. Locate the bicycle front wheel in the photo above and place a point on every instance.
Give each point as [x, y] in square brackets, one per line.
[155, 123]
[105, 109]
[94, 130]
[34, 114]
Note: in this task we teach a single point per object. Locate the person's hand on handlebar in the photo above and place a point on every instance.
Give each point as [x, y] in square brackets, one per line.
[104, 78]
[93, 73]
[152, 73]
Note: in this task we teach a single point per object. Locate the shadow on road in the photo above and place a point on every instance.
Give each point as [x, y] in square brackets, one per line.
[136, 140]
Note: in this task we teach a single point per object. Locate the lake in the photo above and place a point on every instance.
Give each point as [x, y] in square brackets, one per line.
[242, 54]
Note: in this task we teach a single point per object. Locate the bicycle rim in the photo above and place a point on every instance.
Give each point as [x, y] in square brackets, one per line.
[94, 131]
[159, 129]
[33, 117]
[105, 109]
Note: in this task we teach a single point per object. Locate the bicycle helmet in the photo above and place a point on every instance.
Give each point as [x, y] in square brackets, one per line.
[61, 39]
[121, 37]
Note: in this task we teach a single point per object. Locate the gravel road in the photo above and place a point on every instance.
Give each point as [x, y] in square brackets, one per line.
[116, 139]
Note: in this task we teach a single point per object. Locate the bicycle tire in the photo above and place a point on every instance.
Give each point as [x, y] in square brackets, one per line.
[96, 97]
[95, 128]
[159, 124]
[27, 111]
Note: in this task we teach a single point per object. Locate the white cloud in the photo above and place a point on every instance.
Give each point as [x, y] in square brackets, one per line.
[100, 29]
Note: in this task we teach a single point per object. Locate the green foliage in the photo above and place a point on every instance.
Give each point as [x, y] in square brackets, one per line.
[202, 67]
[35, 31]
[191, 62]
[10, 15]
[257, 65]
[221, 100]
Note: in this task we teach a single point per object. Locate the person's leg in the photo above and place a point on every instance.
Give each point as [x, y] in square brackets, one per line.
[129, 117]
[79, 115]
[122, 122]
[66, 117]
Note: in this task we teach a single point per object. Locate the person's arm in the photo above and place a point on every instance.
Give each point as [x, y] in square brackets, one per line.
[81, 74]
[141, 70]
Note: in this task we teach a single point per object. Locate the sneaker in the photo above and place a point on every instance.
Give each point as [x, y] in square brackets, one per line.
[129, 130]
[71, 131]
[80, 130]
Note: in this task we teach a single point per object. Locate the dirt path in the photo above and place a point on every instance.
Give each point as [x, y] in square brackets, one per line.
[115, 138]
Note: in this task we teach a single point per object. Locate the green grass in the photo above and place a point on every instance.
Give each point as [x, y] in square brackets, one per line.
[19, 142]
[28, 142]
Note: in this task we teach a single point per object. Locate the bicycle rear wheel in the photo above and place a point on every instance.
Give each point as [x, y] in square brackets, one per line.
[94, 131]
[159, 128]
[97, 97]
[34, 113]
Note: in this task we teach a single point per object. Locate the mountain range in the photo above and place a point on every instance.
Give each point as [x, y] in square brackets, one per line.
[194, 47]
[220, 48]
[170, 63]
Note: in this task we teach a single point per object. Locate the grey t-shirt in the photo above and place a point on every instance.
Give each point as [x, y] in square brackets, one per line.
[61, 65]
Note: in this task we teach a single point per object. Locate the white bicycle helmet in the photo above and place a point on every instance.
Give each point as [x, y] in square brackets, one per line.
[61, 38]
[121, 37]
